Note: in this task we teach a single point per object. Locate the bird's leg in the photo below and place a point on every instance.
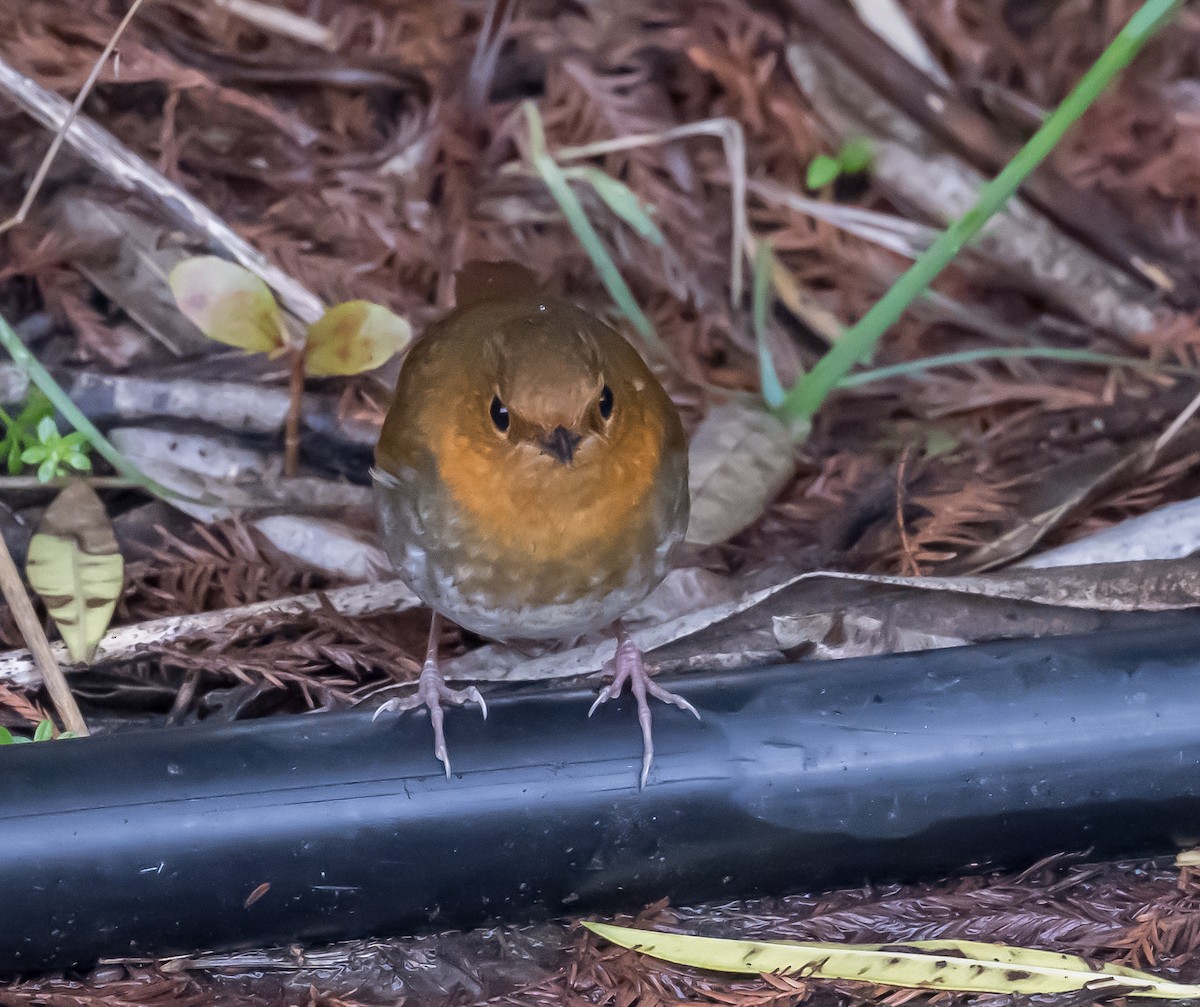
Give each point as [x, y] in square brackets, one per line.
[432, 692]
[627, 665]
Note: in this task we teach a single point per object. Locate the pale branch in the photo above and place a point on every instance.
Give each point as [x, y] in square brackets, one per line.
[130, 172]
[42, 660]
[126, 643]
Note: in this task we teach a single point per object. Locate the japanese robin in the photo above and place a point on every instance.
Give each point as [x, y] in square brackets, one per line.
[531, 481]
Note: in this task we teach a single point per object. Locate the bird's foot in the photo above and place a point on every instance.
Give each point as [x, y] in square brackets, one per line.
[431, 693]
[627, 665]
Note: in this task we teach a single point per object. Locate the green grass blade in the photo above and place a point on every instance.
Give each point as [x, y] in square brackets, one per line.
[622, 200]
[554, 179]
[810, 391]
[768, 378]
[71, 412]
[1023, 353]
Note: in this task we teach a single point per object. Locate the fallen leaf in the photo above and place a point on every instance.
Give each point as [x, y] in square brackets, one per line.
[228, 303]
[354, 337]
[962, 966]
[75, 567]
[739, 458]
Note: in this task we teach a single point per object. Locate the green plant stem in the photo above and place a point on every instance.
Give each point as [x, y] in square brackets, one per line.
[72, 413]
[809, 392]
[768, 379]
[1026, 353]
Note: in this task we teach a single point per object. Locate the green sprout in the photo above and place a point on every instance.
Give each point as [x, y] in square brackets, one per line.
[32, 438]
[56, 454]
[854, 157]
[43, 732]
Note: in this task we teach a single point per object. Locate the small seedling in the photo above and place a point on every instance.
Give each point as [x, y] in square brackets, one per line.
[854, 157]
[230, 304]
[33, 438]
[56, 454]
[43, 732]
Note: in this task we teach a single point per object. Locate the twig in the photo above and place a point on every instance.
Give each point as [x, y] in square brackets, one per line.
[10, 483]
[61, 133]
[291, 429]
[283, 22]
[131, 173]
[33, 634]
[127, 642]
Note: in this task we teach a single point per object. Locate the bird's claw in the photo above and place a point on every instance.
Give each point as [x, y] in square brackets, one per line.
[432, 692]
[627, 665]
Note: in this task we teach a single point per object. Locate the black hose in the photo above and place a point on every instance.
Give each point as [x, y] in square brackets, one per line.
[328, 827]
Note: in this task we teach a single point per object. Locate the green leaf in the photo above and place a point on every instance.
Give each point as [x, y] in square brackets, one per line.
[961, 966]
[6, 737]
[44, 731]
[35, 454]
[822, 170]
[228, 303]
[856, 155]
[354, 337]
[47, 470]
[621, 199]
[75, 566]
[47, 430]
[79, 462]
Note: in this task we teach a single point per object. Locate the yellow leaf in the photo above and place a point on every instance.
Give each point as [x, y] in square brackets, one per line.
[354, 337]
[75, 567]
[228, 303]
[960, 966]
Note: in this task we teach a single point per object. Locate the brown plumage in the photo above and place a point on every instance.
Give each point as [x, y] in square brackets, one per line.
[532, 474]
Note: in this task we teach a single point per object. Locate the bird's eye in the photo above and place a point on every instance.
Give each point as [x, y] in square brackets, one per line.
[606, 402]
[499, 414]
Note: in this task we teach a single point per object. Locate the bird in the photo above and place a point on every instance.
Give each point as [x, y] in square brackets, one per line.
[531, 483]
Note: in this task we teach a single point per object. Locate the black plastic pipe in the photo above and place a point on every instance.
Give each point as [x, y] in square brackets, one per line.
[331, 826]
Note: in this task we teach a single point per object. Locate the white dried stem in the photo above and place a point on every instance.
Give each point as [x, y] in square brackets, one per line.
[125, 643]
[128, 171]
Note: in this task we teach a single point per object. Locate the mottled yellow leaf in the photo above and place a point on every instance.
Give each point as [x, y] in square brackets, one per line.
[354, 337]
[228, 303]
[75, 567]
[960, 966]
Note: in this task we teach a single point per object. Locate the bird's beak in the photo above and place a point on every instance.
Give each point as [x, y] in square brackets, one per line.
[561, 444]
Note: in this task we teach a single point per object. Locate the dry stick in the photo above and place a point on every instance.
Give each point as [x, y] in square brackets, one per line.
[60, 135]
[283, 22]
[128, 171]
[33, 634]
[291, 428]
[125, 643]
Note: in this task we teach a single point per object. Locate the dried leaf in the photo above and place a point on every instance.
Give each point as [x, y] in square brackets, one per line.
[739, 459]
[354, 337]
[76, 568]
[228, 303]
[963, 966]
